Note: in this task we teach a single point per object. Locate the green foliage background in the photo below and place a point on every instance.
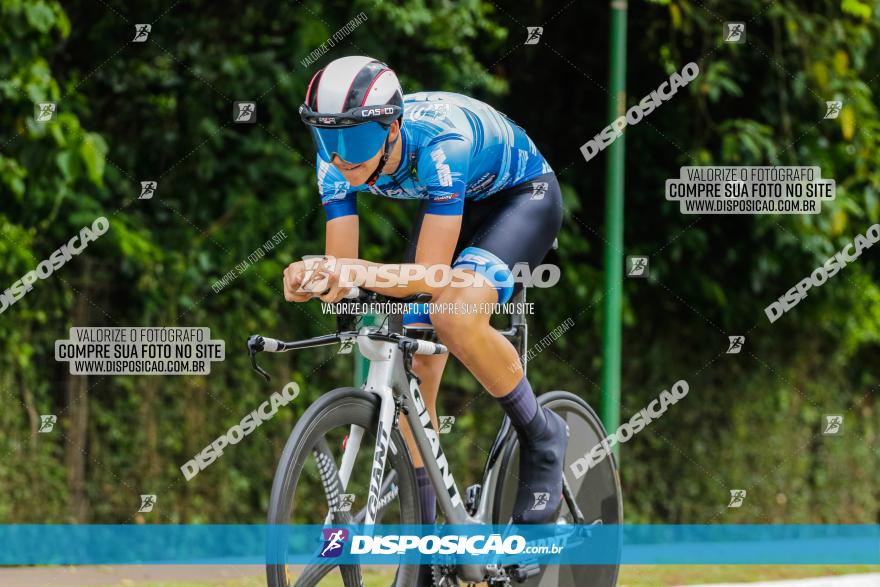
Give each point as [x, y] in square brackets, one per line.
[161, 110]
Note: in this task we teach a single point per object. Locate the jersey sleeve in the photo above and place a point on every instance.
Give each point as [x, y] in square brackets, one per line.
[443, 165]
[337, 196]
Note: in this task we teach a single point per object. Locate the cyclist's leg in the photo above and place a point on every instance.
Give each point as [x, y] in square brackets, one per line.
[429, 368]
[519, 229]
[513, 228]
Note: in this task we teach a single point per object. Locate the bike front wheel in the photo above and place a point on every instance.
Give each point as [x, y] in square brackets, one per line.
[308, 489]
[597, 493]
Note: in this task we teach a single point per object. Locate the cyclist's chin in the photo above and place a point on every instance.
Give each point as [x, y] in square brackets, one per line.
[356, 176]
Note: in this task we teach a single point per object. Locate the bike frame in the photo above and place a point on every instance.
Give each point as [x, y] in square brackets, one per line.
[387, 378]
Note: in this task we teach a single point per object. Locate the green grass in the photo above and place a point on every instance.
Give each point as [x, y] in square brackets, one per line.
[372, 578]
[631, 576]
[668, 575]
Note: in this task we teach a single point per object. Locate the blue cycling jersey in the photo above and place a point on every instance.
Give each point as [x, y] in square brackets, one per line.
[454, 148]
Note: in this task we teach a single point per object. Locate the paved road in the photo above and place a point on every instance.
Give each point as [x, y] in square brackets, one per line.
[122, 576]
[868, 580]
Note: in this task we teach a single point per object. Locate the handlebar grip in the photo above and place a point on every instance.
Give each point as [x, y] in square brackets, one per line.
[427, 347]
[271, 345]
[258, 343]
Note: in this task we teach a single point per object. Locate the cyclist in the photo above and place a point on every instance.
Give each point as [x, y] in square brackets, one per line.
[489, 202]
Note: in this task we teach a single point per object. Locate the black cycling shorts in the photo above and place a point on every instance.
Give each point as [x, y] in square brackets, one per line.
[516, 225]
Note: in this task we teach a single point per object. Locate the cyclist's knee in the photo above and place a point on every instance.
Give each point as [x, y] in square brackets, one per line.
[448, 326]
[458, 316]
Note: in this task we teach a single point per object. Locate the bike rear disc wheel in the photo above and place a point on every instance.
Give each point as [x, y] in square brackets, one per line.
[597, 493]
[300, 492]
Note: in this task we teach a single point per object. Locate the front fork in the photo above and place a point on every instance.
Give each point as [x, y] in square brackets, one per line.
[379, 378]
[379, 381]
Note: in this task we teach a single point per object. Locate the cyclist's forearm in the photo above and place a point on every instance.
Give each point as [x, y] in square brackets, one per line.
[341, 240]
[397, 281]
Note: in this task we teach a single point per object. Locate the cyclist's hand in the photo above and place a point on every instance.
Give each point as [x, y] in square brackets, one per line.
[314, 277]
[326, 281]
[294, 276]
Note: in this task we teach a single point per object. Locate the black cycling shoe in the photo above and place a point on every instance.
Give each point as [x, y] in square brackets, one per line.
[542, 444]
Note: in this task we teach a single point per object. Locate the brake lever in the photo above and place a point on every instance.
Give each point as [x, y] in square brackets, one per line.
[255, 345]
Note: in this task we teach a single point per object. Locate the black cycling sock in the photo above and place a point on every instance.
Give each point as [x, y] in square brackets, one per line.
[427, 496]
[542, 444]
[520, 404]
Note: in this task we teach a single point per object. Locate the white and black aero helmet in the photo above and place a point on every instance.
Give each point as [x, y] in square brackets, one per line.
[349, 106]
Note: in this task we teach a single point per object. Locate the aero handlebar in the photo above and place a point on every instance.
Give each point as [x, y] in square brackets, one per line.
[258, 343]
